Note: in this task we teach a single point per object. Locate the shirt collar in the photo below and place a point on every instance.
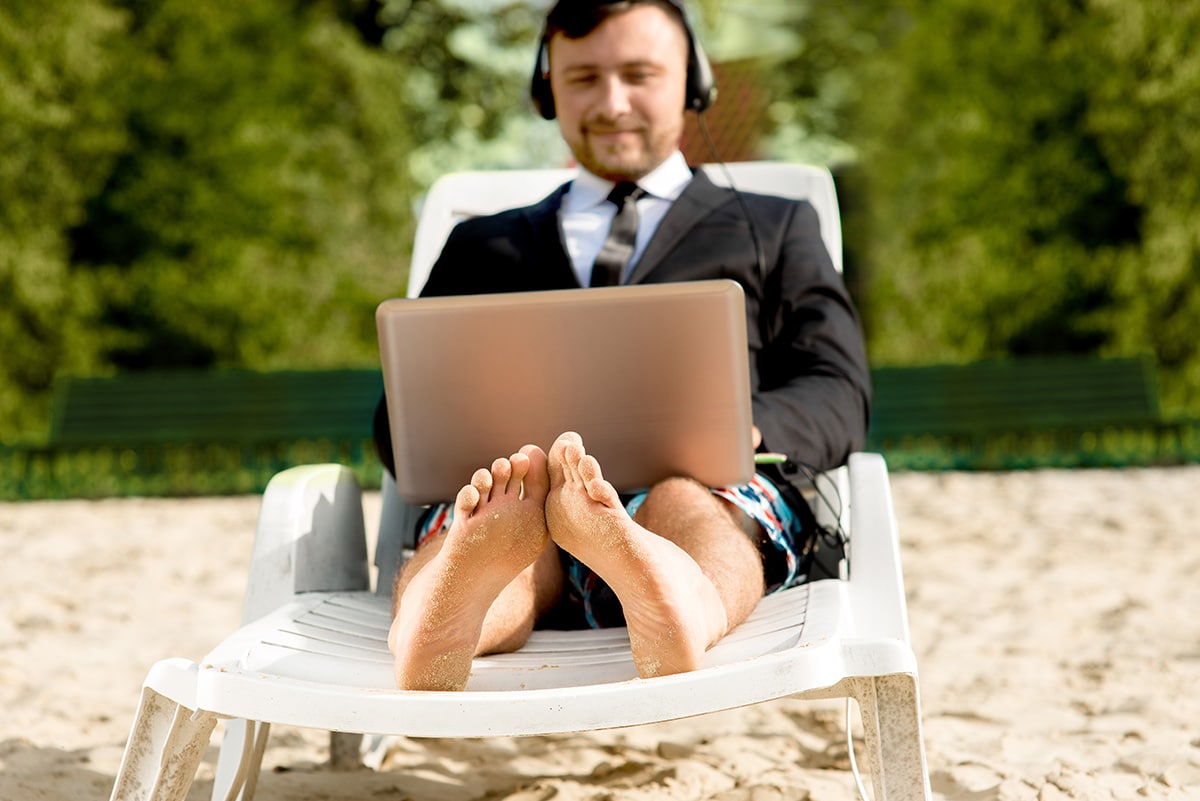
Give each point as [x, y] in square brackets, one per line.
[665, 181]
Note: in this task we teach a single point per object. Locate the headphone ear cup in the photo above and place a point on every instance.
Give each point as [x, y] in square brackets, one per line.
[701, 86]
[543, 98]
[539, 86]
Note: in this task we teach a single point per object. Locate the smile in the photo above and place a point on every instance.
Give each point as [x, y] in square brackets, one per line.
[612, 133]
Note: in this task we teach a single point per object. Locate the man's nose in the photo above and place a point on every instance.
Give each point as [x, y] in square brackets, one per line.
[614, 99]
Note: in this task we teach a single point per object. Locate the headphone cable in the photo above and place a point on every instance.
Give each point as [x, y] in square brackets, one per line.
[838, 535]
[758, 250]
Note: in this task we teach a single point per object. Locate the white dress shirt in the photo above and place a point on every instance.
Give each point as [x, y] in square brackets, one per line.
[586, 215]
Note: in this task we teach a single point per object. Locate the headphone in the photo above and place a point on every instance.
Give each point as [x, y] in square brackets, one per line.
[701, 87]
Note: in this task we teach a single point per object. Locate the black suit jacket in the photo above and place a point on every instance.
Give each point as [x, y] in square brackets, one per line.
[808, 364]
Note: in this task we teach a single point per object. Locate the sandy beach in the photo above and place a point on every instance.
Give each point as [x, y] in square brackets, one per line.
[1055, 615]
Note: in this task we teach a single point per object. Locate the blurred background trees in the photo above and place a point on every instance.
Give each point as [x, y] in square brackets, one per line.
[233, 184]
[1027, 180]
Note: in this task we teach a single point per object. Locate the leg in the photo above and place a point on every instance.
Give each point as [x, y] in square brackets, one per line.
[479, 587]
[721, 539]
[891, 715]
[240, 759]
[684, 571]
[164, 750]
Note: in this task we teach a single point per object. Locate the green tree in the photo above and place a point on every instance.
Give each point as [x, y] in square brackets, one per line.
[1147, 114]
[228, 184]
[1020, 181]
[58, 137]
[468, 64]
[234, 184]
[261, 202]
[995, 202]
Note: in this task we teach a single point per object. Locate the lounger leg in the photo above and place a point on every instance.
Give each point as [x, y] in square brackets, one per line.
[891, 716]
[310, 538]
[164, 750]
[240, 760]
[345, 750]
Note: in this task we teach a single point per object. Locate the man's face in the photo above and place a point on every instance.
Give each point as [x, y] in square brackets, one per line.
[619, 92]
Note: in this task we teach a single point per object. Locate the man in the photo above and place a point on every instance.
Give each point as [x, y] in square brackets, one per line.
[542, 535]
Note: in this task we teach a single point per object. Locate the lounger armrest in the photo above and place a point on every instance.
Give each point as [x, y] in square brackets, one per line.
[398, 521]
[876, 582]
[310, 538]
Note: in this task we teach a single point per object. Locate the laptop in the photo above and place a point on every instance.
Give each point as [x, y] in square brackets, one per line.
[654, 377]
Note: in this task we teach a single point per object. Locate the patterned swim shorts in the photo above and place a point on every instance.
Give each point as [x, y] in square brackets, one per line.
[759, 499]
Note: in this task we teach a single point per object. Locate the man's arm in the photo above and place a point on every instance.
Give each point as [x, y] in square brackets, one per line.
[813, 398]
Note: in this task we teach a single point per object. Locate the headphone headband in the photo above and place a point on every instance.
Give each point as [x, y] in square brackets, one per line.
[701, 87]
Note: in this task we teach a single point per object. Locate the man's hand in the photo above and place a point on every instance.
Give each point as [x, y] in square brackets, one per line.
[755, 436]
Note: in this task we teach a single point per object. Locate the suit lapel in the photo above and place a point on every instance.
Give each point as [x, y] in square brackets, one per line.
[699, 199]
[548, 253]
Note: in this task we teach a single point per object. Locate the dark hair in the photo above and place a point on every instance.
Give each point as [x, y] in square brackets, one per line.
[575, 19]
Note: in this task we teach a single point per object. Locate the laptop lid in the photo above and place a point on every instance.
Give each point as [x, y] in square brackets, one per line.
[654, 377]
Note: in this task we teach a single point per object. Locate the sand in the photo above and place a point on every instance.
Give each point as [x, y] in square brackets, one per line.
[1055, 615]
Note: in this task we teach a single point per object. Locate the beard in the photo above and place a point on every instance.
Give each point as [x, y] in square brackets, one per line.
[623, 152]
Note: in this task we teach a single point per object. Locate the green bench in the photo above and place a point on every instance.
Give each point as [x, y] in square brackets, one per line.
[240, 406]
[993, 414]
[196, 432]
[234, 407]
[972, 407]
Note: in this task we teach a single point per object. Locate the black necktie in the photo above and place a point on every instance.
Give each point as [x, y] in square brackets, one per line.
[618, 247]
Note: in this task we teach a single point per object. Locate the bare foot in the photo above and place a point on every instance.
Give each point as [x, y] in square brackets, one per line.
[499, 530]
[672, 609]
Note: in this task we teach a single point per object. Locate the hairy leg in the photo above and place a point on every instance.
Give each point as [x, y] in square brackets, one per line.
[479, 587]
[721, 538]
[668, 568]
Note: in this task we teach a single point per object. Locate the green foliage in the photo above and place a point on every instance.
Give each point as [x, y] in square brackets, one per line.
[466, 87]
[260, 207]
[227, 184]
[232, 184]
[1024, 176]
[1147, 112]
[1000, 199]
[58, 137]
[28, 473]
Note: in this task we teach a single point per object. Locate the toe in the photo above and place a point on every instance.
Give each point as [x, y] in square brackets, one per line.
[502, 475]
[466, 501]
[556, 464]
[573, 453]
[565, 441]
[520, 467]
[589, 468]
[536, 479]
[483, 483]
[598, 489]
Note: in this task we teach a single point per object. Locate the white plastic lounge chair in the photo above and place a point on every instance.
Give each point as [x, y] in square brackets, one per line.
[312, 651]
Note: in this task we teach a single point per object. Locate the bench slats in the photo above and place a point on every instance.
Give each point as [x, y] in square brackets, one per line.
[1013, 395]
[239, 406]
[243, 406]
